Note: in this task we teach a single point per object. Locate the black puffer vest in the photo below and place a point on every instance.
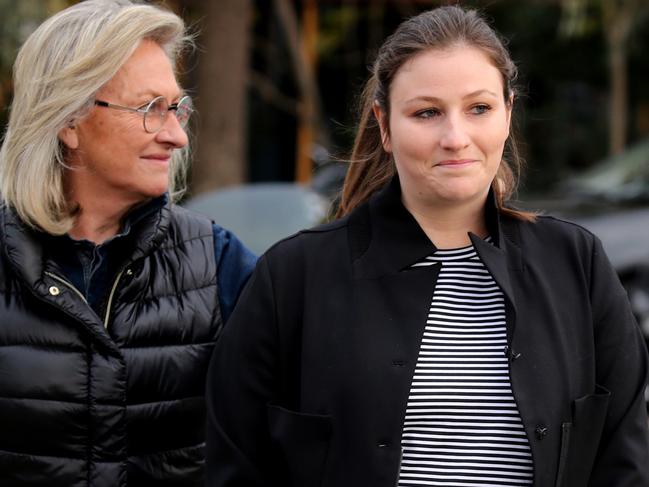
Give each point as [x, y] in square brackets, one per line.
[116, 400]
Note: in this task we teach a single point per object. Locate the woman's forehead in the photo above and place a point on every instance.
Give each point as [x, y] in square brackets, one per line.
[147, 72]
[459, 71]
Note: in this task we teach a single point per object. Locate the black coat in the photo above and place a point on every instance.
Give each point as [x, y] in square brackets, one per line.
[308, 384]
[112, 401]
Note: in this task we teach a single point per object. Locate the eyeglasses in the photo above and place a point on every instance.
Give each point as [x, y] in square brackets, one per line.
[156, 111]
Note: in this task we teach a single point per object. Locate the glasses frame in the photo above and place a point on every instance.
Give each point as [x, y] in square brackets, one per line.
[145, 110]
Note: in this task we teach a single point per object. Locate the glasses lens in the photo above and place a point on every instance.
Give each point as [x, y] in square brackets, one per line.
[184, 110]
[156, 114]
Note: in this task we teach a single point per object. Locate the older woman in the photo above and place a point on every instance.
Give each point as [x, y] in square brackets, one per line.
[432, 336]
[111, 296]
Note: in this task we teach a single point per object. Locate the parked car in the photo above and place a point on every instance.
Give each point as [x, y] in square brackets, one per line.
[612, 200]
[260, 214]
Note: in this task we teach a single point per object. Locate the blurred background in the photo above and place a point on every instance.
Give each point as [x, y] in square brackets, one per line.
[275, 84]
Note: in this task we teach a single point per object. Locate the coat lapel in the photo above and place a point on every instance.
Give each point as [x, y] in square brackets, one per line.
[385, 237]
[532, 368]
[391, 300]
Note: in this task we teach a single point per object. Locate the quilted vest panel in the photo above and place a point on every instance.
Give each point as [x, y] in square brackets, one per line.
[82, 404]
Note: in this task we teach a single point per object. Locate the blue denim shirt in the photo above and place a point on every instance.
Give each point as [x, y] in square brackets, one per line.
[91, 268]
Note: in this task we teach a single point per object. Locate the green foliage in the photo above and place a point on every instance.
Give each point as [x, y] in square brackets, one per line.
[580, 18]
[335, 26]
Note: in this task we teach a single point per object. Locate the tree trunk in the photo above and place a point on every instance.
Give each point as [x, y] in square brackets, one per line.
[618, 103]
[302, 51]
[222, 88]
[619, 16]
[308, 121]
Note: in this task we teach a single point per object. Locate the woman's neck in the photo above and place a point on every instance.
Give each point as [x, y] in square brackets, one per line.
[448, 226]
[98, 221]
[101, 208]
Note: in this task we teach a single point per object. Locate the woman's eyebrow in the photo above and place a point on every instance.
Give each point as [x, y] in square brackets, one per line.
[154, 94]
[480, 92]
[434, 99]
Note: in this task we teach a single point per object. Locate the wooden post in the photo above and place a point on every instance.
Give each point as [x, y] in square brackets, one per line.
[223, 88]
[306, 129]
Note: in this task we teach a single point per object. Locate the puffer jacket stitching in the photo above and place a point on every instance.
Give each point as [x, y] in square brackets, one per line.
[186, 292]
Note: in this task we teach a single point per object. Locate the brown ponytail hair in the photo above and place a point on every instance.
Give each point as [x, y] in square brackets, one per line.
[371, 167]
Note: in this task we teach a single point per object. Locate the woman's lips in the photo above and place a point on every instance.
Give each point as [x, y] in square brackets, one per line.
[160, 159]
[157, 157]
[456, 162]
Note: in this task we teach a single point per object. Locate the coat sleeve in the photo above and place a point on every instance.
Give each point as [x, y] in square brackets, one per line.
[239, 387]
[621, 368]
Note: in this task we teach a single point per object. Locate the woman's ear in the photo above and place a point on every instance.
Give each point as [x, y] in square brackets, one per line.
[68, 135]
[382, 119]
[510, 109]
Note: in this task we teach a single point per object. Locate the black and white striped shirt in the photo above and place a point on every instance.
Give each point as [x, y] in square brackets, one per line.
[462, 427]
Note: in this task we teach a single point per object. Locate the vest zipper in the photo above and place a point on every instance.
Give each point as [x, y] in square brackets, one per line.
[67, 284]
[110, 298]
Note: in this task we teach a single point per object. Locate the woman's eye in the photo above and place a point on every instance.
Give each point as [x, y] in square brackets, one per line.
[428, 113]
[480, 109]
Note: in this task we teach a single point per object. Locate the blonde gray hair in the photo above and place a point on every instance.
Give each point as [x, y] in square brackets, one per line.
[57, 72]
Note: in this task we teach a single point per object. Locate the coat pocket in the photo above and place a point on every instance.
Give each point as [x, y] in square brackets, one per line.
[580, 439]
[302, 441]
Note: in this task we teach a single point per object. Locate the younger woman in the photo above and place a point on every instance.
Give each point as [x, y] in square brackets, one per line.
[432, 335]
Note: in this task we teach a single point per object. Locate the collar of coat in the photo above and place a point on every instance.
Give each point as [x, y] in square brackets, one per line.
[386, 239]
[25, 247]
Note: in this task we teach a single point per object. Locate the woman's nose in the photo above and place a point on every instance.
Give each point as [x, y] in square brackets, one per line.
[454, 135]
[172, 132]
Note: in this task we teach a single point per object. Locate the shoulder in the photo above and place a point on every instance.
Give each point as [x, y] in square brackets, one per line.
[550, 230]
[182, 213]
[557, 246]
[306, 255]
[190, 222]
[314, 239]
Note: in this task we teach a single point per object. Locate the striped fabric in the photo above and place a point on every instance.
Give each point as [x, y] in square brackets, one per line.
[462, 427]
